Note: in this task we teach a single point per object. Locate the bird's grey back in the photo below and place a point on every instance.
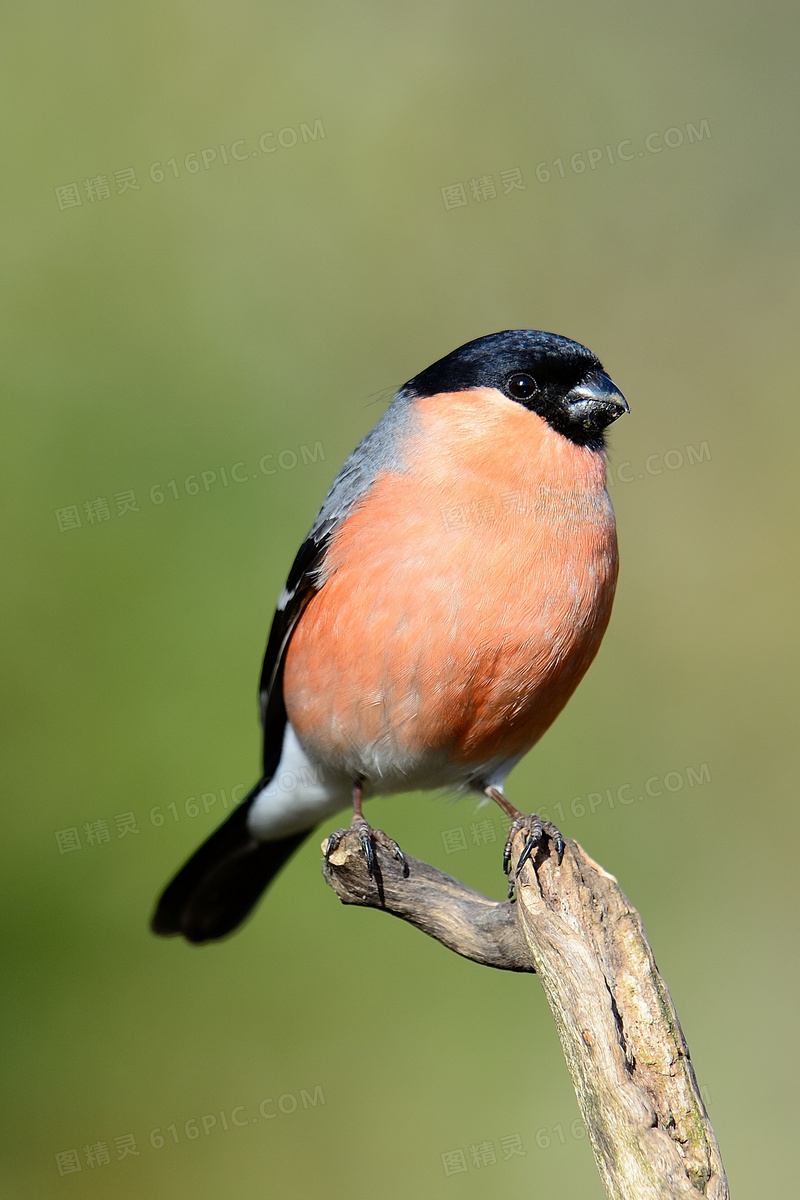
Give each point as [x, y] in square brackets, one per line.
[381, 450]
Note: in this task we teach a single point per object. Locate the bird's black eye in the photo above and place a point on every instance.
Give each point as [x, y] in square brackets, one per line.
[520, 386]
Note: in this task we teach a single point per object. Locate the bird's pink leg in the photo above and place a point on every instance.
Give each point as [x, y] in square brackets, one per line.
[534, 827]
[368, 836]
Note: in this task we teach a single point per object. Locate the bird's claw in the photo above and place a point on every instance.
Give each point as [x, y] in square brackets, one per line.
[369, 838]
[537, 831]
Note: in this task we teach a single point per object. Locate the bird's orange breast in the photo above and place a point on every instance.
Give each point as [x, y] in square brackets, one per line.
[464, 598]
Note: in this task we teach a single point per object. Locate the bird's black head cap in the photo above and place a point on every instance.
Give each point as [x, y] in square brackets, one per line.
[550, 375]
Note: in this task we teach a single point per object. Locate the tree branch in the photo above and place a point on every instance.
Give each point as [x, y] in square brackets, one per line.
[622, 1041]
[460, 918]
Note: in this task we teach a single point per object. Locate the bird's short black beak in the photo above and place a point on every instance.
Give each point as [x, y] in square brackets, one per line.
[595, 402]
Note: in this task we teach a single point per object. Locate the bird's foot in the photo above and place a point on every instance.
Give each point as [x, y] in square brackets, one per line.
[537, 832]
[369, 839]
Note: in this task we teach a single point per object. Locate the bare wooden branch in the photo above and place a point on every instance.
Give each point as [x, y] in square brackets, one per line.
[624, 1047]
[458, 917]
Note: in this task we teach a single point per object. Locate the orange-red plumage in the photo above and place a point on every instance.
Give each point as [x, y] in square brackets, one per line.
[464, 599]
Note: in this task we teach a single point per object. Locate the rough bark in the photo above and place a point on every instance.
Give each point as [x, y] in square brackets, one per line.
[624, 1047]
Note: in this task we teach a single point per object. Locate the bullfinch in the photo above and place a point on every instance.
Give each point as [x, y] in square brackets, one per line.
[451, 593]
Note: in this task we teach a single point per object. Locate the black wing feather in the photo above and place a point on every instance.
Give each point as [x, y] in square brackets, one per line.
[219, 885]
[301, 586]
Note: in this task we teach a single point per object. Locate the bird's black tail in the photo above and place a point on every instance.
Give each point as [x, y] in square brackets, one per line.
[218, 887]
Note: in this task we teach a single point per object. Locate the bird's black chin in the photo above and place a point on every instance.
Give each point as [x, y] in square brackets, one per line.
[587, 409]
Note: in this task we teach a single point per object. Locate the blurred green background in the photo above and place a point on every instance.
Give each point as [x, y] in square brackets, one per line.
[178, 325]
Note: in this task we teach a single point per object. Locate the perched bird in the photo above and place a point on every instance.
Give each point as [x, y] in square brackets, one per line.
[451, 594]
